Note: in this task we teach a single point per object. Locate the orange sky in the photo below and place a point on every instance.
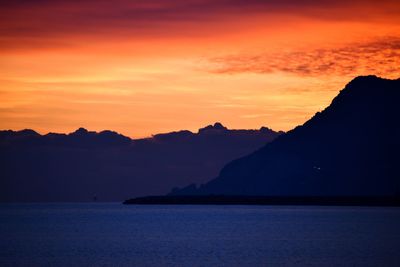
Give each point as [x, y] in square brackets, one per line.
[144, 67]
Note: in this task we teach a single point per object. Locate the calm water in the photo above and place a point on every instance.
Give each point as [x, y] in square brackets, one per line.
[118, 235]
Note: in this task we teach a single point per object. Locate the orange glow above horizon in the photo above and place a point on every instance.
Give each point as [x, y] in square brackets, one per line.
[158, 66]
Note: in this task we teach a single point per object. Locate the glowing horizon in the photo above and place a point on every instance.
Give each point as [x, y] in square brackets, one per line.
[146, 67]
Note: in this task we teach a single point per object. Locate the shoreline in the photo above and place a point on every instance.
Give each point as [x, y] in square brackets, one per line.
[393, 201]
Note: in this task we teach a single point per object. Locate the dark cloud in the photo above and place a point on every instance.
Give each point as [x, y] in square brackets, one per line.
[374, 57]
[23, 19]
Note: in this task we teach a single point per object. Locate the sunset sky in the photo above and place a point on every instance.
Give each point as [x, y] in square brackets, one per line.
[144, 67]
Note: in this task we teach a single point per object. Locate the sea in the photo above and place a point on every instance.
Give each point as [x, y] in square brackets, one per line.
[113, 234]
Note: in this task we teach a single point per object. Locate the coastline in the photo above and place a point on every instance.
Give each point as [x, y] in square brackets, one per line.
[390, 201]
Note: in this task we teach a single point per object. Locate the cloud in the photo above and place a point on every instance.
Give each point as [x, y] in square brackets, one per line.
[381, 56]
[258, 115]
[40, 22]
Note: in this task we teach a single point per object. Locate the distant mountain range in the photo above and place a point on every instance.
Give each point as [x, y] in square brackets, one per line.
[349, 149]
[107, 166]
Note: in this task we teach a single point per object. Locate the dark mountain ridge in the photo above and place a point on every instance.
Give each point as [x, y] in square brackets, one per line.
[349, 149]
[83, 164]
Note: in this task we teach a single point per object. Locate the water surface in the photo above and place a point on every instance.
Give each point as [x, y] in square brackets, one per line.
[112, 234]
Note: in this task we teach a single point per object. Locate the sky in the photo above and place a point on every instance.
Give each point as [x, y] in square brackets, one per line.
[149, 66]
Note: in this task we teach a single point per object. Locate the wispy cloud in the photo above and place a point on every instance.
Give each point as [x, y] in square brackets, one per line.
[381, 56]
[252, 116]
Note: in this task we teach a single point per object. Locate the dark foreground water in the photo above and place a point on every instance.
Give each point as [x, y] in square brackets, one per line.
[118, 235]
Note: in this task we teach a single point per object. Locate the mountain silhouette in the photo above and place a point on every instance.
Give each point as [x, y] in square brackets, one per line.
[107, 166]
[349, 149]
